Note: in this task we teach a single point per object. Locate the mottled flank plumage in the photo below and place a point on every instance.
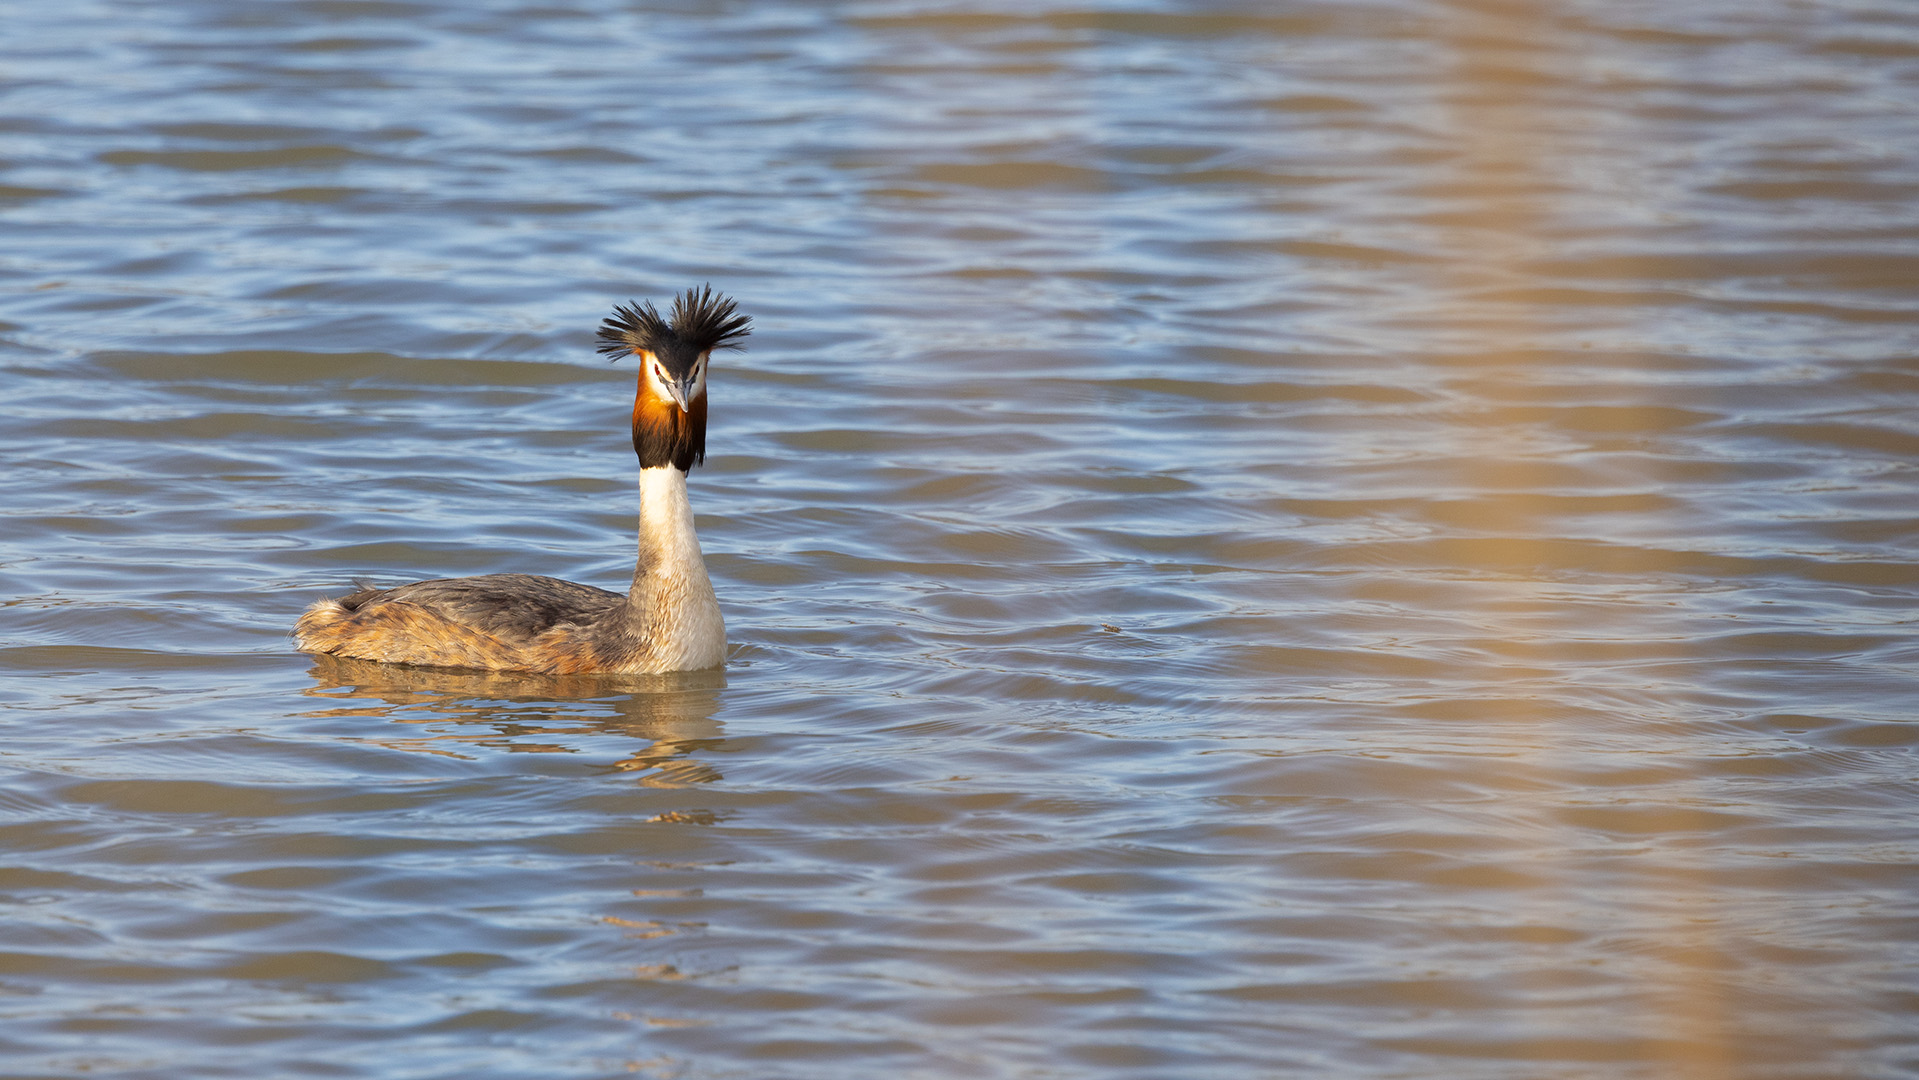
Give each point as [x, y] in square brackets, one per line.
[511, 622]
[669, 620]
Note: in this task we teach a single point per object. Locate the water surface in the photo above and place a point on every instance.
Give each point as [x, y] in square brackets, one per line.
[1363, 540]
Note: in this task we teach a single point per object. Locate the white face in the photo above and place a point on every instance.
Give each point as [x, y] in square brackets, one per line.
[663, 386]
[699, 377]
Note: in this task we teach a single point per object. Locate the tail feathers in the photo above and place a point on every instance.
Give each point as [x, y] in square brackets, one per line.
[319, 630]
[363, 591]
[312, 631]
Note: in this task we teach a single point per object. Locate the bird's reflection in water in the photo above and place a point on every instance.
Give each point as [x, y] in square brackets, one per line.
[671, 715]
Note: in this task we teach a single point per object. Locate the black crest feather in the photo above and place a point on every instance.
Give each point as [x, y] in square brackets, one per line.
[702, 320]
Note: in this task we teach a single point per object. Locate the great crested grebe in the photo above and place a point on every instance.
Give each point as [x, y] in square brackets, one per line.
[668, 621]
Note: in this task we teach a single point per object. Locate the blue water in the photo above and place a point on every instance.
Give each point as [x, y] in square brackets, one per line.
[1365, 540]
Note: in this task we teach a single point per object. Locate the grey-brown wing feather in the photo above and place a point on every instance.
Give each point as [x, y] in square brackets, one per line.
[511, 607]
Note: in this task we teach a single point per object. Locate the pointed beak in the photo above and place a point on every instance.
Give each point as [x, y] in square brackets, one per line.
[680, 389]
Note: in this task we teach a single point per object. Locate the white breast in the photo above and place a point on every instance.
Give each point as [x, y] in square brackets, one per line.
[683, 618]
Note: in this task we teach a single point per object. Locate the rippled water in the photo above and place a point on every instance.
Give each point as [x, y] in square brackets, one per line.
[1369, 540]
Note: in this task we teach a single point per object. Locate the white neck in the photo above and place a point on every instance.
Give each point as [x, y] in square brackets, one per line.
[672, 598]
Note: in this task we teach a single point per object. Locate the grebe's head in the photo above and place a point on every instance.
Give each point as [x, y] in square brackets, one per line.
[669, 411]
